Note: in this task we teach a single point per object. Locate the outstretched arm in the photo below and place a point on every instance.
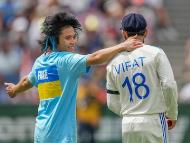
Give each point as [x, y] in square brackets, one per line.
[23, 85]
[104, 55]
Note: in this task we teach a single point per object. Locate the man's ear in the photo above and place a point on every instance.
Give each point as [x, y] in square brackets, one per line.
[145, 33]
[125, 34]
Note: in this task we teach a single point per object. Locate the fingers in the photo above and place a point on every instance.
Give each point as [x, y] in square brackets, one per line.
[136, 44]
[133, 37]
[134, 40]
[132, 43]
[8, 86]
[10, 94]
[169, 122]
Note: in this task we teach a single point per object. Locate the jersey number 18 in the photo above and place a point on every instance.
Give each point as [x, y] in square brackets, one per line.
[137, 86]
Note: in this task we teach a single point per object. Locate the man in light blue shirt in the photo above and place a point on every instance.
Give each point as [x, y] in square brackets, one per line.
[56, 72]
[57, 86]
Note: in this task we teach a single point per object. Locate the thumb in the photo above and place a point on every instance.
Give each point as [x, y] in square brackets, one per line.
[135, 36]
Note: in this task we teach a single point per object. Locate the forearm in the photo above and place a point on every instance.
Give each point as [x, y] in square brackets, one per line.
[107, 54]
[23, 85]
[104, 55]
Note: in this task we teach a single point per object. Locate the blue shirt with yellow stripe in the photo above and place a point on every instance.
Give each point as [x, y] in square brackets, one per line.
[56, 77]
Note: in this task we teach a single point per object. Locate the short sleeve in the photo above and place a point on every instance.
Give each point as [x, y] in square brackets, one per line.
[75, 63]
[32, 77]
[110, 85]
[163, 67]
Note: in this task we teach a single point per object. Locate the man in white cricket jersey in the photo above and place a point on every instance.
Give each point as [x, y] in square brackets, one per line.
[141, 88]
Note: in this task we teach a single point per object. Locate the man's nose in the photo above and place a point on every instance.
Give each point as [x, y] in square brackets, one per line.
[73, 41]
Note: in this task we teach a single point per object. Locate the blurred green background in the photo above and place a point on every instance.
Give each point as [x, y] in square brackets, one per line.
[17, 125]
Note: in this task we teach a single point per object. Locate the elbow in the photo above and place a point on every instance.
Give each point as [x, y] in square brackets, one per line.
[110, 106]
[114, 108]
[26, 83]
[113, 104]
[94, 59]
[169, 85]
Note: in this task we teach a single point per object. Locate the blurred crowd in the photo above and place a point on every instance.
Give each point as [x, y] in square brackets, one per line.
[20, 22]
[185, 90]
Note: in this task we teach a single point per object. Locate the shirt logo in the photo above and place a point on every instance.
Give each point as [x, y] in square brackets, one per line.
[42, 75]
[128, 65]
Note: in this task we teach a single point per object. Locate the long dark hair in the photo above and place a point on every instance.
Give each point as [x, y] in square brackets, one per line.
[52, 27]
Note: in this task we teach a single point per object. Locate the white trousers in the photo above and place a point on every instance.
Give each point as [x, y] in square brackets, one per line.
[145, 129]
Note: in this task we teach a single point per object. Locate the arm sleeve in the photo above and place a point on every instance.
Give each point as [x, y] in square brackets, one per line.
[32, 76]
[113, 95]
[168, 84]
[75, 63]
